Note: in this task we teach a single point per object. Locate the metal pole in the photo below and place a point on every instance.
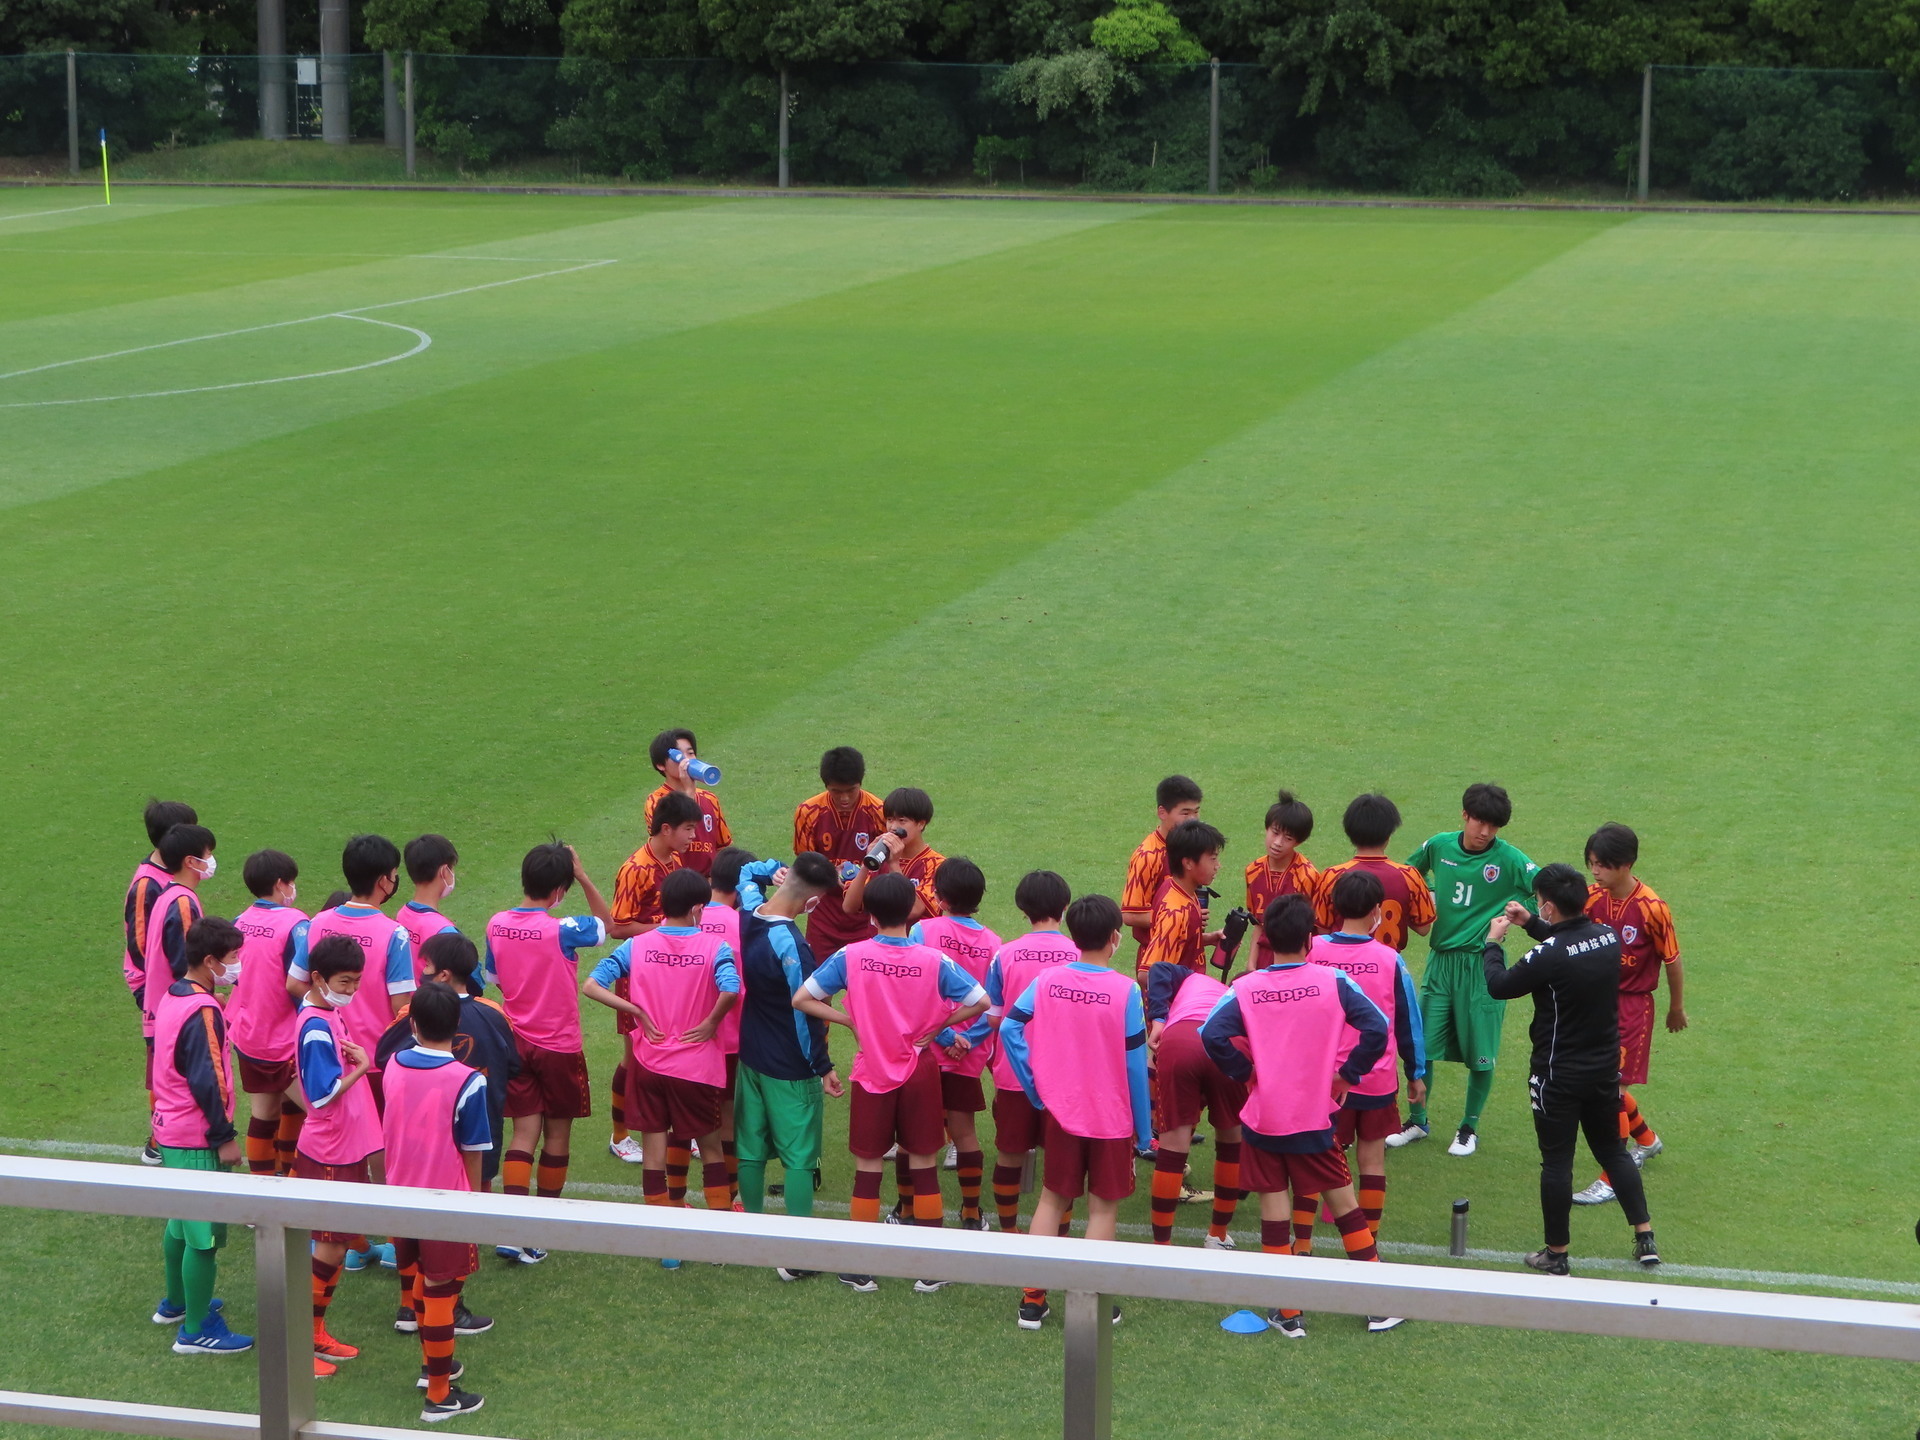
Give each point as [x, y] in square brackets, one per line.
[336, 48]
[73, 117]
[409, 79]
[390, 101]
[284, 1324]
[1213, 134]
[1089, 1365]
[270, 17]
[1646, 131]
[783, 127]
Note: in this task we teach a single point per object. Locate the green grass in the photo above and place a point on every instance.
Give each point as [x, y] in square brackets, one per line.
[1034, 504]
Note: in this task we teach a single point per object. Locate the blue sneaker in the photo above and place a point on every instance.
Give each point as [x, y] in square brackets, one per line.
[525, 1254]
[214, 1339]
[669, 1264]
[167, 1313]
[381, 1255]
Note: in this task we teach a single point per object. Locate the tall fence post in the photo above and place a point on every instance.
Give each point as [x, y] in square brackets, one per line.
[336, 50]
[1213, 133]
[284, 1324]
[73, 116]
[1088, 1410]
[409, 116]
[270, 19]
[1646, 131]
[389, 102]
[783, 127]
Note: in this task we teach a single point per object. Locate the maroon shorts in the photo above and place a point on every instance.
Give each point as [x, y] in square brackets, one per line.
[1016, 1124]
[733, 1075]
[550, 1082]
[1266, 1172]
[267, 1077]
[962, 1092]
[623, 1023]
[1102, 1168]
[440, 1261]
[910, 1115]
[354, 1174]
[657, 1103]
[1376, 1124]
[146, 1076]
[1636, 1038]
[1190, 1082]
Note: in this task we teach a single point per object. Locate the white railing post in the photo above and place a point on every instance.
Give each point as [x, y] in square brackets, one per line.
[283, 1336]
[1088, 1411]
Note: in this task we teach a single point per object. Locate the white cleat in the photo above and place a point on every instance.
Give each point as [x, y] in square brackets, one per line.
[951, 1160]
[1217, 1242]
[1407, 1136]
[1643, 1153]
[627, 1149]
[1377, 1324]
[1598, 1193]
[1465, 1142]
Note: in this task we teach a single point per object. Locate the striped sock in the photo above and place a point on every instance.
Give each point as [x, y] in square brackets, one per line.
[733, 1171]
[410, 1291]
[286, 1137]
[902, 1186]
[1303, 1208]
[516, 1172]
[553, 1175]
[1373, 1200]
[439, 1297]
[1006, 1193]
[716, 1182]
[1274, 1239]
[929, 1205]
[679, 1162]
[325, 1277]
[866, 1196]
[653, 1186]
[972, 1164]
[1636, 1125]
[619, 1100]
[1169, 1168]
[260, 1137]
[1226, 1186]
[1357, 1235]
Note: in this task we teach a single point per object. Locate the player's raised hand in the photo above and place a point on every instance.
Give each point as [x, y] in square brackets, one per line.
[355, 1057]
[579, 870]
[1517, 913]
[1497, 931]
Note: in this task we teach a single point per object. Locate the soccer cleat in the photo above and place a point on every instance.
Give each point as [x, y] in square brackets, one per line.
[1380, 1324]
[1116, 1316]
[150, 1154]
[324, 1369]
[791, 1275]
[951, 1160]
[405, 1321]
[1411, 1132]
[1598, 1193]
[458, 1402]
[974, 1222]
[860, 1284]
[166, 1313]
[1293, 1327]
[465, 1322]
[459, 1369]
[1033, 1314]
[738, 1207]
[1643, 1153]
[1465, 1142]
[1218, 1242]
[1644, 1250]
[776, 1190]
[214, 1339]
[1548, 1262]
[693, 1148]
[892, 1217]
[381, 1255]
[1191, 1196]
[525, 1254]
[1148, 1151]
[328, 1348]
[626, 1148]
[669, 1264]
[930, 1287]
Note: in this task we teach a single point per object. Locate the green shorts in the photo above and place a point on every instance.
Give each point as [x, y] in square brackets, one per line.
[197, 1234]
[1463, 1022]
[777, 1119]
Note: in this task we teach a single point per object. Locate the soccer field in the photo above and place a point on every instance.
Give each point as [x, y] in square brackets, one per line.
[1034, 503]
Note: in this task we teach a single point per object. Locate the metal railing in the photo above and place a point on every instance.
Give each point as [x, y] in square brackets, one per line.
[281, 1213]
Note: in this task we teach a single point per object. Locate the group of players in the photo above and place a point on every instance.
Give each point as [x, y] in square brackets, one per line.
[370, 1049]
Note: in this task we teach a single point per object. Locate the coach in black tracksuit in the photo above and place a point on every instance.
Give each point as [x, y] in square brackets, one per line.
[1573, 975]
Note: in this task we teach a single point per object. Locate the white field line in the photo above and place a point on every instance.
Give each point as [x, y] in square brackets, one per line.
[68, 210]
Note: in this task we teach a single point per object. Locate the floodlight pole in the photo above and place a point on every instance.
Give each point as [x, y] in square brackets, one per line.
[409, 113]
[783, 127]
[336, 49]
[270, 18]
[1646, 130]
[1213, 133]
[73, 117]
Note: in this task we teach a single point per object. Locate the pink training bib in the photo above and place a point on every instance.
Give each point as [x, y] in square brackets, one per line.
[159, 971]
[347, 1128]
[421, 926]
[371, 1012]
[1195, 999]
[894, 1001]
[1295, 1027]
[539, 984]
[723, 922]
[971, 946]
[1021, 962]
[1077, 1043]
[418, 1124]
[133, 964]
[1374, 967]
[671, 978]
[178, 1121]
[261, 1015]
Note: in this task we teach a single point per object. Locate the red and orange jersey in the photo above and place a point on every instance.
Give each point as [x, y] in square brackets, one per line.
[714, 835]
[1145, 873]
[1174, 935]
[1266, 885]
[636, 889]
[818, 826]
[920, 870]
[1645, 927]
[1407, 907]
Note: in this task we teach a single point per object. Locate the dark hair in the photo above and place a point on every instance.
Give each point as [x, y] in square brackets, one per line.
[181, 841]
[425, 854]
[1189, 840]
[683, 890]
[843, 765]
[1613, 845]
[813, 871]
[1357, 893]
[451, 953]
[960, 885]
[673, 810]
[162, 815]
[545, 869]
[435, 1012]
[1093, 921]
[727, 865]
[1291, 817]
[1288, 924]
[366, 859]
[890, 899]
[907, 803]
[1042, 895]
[1565, 886]
[1370, 820]
[1488, 804]
[669, 740]
[1176, 790]
[267, 868]
[336, 955]
[335, 899]
[208, 937]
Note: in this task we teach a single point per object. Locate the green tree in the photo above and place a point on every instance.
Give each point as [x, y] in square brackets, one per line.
[1146, 32]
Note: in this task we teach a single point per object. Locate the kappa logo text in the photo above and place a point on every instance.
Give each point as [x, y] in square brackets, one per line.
[1078, 997]
[883, 967]
[1284, 997]
[509, 932]
[672, 958]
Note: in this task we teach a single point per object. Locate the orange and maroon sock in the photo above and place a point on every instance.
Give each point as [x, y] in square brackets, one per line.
[1303, 1208]
[439, 1297]
[1033, 1297]
[929, 1205]
[1373, 1200]
[1357, 1235]
[653, 1186]
[260, 1137]
[679, 1163]
[410, 1291]
[972, 1165]
[1636, 1125]
[1226, 1186]
[553, 1175]
[1274, 1239]
[325, 1278]
[286, 1136]
[516, 1172]
[733, 1171]
[866, 1196]
[1169, 1169]
[715, 1184]
[1006, 1194]
[902, 1186]
[618, 1108]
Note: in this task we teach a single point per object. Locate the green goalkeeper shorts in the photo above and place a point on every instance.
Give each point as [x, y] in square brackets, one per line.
[198, 1234]
[777, 1119]
[1463, 1022]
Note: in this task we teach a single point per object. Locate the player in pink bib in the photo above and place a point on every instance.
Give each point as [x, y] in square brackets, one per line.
[722, 918]
[429, 860]
[1187, 1082]
[263, 1012]
[186, 855]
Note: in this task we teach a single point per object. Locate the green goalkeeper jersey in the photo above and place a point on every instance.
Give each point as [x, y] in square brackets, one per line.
[1469, 889]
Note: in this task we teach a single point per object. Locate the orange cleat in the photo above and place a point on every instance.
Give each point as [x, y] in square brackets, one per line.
[322, 1369]
[325, 1347]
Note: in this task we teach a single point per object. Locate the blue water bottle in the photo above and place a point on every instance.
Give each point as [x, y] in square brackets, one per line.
[696, 769]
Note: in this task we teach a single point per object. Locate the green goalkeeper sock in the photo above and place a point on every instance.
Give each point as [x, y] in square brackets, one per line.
[197, 1271]
[751, 1176]
[1479, 1086]
[1417, 1114]
[800, 1187]
[173, 1249]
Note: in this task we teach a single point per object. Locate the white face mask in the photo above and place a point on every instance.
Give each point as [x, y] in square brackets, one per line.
[228, 974]
[207, 866]
[293, 894]
[334, 998]
[450, 880]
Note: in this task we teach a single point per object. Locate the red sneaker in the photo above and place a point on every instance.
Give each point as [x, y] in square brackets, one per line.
[328, 1348]
[322, 1369]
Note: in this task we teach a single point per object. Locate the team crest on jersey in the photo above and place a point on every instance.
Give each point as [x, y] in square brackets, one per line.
[1629, 933]
[707, 820]
[1491, 872]
[860, 839]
